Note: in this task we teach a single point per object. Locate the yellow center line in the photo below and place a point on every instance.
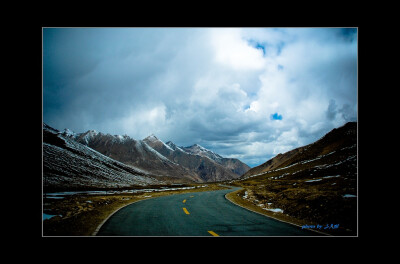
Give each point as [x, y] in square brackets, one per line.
[213, 233]
[186, 211]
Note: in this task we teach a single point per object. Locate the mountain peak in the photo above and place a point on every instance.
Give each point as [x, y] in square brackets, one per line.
[68, 132]
[152, 137]
[92, 132]
[196, 146]
[200, 146]
[197, 149]
[122, 138]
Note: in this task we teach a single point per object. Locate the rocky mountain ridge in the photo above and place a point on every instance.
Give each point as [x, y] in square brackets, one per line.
[135, 153]
[70, 165]
[208, 165]
[166, 161]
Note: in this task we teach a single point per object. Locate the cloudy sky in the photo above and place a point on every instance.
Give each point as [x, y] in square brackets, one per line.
[246, 93]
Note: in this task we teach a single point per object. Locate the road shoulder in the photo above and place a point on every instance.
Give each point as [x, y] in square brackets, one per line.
[235, 198]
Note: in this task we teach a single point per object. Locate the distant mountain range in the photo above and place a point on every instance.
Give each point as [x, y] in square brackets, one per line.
[207, 165]
[94, 155]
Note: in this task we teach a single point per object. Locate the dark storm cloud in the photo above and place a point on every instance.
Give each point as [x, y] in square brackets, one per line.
[67, 55]
[214, 86]
[92, 75]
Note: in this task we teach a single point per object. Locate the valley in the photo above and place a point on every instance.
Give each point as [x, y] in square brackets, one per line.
[198, 131]
[314, 186]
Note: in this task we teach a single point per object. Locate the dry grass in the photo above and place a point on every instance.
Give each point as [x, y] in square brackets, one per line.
[304, 201]
[236, 198]
[321, 191]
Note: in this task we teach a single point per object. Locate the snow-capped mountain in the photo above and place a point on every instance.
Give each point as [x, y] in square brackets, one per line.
[234, 165]
[68, 164]
[196, 149]
[208, 165]
[165, 161]
[136, 153]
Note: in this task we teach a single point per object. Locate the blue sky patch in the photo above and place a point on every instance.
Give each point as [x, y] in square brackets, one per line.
[102, 79]
[258, 45]
[276, 116]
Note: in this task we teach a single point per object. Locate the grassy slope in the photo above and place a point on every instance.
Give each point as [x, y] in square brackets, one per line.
[311, 188]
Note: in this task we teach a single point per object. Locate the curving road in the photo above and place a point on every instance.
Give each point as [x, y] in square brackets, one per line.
[194, 214]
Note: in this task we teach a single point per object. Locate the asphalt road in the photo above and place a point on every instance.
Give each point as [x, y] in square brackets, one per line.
[194, 214]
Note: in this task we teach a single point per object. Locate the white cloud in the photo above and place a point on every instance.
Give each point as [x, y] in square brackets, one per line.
[141, 123]
[232, 50]
[210, 86]
[254, 107]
